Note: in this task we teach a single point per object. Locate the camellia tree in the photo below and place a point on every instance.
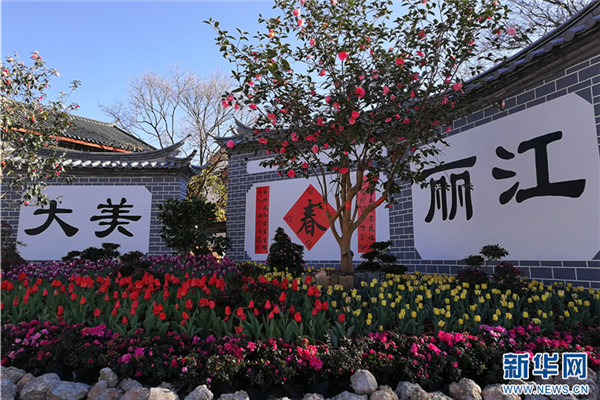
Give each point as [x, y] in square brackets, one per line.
[29, 127]
[348, 93]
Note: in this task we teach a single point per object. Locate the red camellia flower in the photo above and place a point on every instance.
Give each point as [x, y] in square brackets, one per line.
[342, 55]
[457, 86]
[297, 317]
[291, 173]
[230, 144]
[360, 92]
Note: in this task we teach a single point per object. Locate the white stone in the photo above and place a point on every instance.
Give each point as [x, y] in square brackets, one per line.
[363, 382]
[495, 392]
[8, 389]
[37, 388]
[465, 389]
[350, 396]
[410, 391]
[162, 393]
[108, 375]
[200, 393]
[68, 391]
[383, 393]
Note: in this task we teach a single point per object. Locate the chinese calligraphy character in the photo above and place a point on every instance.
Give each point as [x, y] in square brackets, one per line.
[572, 188]
[544, 365]
[516, 366]
[574, 365]
[115, 216]
[308, 220]
[461, 194]
[52, 211]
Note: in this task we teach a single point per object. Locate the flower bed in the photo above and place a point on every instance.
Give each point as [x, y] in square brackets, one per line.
[219, 323]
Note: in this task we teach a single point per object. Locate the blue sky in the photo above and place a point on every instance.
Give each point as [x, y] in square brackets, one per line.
[104, 44]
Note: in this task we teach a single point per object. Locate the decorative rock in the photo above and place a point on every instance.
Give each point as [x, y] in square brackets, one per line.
[363, 382]
[24, 381]
[13, 373]
[535, 397]
[99, 391]
[439, 396]
[562, 397]
[313, 396]
[162, 393]
[37, 388]
[68, 391]
[239, 395]
[8, 389]
[465, 389]
[410, 391]
[200, 393]
[115, 393]
[127, 384]
[495, 392]
[383, 393]
[591, 381]
[137, 393]
[350, 396]
[108, 375]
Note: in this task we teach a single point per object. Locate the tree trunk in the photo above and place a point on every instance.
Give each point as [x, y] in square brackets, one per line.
[346, 253]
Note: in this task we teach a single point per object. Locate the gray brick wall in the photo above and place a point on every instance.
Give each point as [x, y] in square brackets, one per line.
[162, 184]
[582, 78]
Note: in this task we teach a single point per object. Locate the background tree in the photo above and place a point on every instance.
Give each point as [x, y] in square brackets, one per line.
[345, 94]
[182, 104]
[29, 126]
[528, 20]
[167, 109]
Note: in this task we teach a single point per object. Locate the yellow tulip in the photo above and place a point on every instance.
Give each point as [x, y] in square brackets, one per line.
[413, 314]
[477, 318]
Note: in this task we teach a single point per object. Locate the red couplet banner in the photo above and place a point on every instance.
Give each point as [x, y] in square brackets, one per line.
[366, 230]
[261, 228]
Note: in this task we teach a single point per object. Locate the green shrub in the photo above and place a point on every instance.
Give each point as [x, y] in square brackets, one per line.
[378, 259]
[10, 254]
[285, 255]
[507, 277]
[188, 226]
[108, 251]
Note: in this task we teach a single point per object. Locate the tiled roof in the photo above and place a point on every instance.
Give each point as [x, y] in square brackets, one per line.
[156, 159]
[105, 134]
